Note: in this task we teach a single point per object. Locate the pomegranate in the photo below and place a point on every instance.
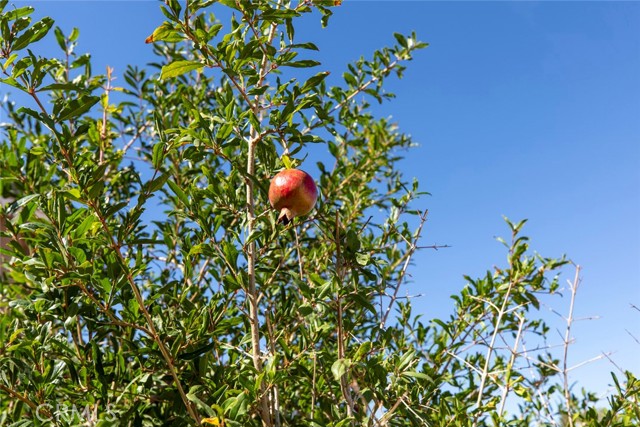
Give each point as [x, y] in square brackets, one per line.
[293, 193]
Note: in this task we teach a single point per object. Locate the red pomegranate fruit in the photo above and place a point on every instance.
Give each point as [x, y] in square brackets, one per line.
[293, 193]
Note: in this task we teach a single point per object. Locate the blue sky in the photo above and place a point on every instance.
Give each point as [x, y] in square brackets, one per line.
[524, 109]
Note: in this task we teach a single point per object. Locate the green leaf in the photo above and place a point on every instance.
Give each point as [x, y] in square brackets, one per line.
[402, 40]
[363, 350]
[305, 310]
[23, 201]
[314, 81]
[60, 38]
[419, 375]
[308, 46]
[305, 63]
[200, 351]
[286, 161]
[9, 61]
[195, 399]
[37, 150]
[13, 82]
[229, 3]
[33, 34]
[178, 192]
[362, 301]
[363, 258]
[178, 68]
[346, 422]
[166, 33]
[77, 107]
[60, 86]
[75, 32]
[340, 367]
[21, 12]
[157, 183]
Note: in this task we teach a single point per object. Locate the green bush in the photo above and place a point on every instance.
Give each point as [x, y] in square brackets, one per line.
[145, 280]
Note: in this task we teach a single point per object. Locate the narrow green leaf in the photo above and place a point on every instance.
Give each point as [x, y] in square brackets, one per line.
[60, 86]
[195, 399]
[402, 40]
[77, 107]
[157, 183]
[305, 63]
[13, 82]
[157, 156]
[200, 351]
[314, 81]
[178, 68]
[33, 34]
[178, 192]
[75, 32]
[18, 13]
[419, 375]
[60, 38]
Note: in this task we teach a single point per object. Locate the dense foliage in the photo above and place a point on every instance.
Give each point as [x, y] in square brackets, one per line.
[145, 281]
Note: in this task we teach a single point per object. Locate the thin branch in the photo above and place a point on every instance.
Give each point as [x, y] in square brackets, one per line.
[512, 360]
[491, 348]
[613, 363]
[358, 90]
[344, 383]
[632, 336]
[18, 396]
[586, 362]
[565, 370]
[387, 415]
[115, 246]
[543, 398]
[252, 293]
[467, 364]
[412, 248]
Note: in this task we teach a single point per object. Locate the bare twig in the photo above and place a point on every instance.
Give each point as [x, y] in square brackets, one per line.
[632, 336]
[567, 338]
[384, 420]
[412, 249]
[491, 348]
[543, 398]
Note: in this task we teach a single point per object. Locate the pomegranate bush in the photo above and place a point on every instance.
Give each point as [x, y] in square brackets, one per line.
[146, 281]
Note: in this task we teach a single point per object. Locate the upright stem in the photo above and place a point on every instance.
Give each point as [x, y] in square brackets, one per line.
[252, 293]
[485, 370]
[567, 340]
[512, 361]
[344, 384]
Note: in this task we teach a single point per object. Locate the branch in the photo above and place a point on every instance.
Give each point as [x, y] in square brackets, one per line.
[490, 349]
[412, 249]
[344, 384]
[512, 360]
[114, 245]
[358, 90]
[565, 370]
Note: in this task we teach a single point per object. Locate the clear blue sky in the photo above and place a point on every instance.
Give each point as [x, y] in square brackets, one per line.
[524, 109]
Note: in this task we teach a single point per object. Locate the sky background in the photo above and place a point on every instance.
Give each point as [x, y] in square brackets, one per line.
[523, 109]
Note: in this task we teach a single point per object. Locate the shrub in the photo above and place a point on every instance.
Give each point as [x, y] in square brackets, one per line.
[145, 280]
